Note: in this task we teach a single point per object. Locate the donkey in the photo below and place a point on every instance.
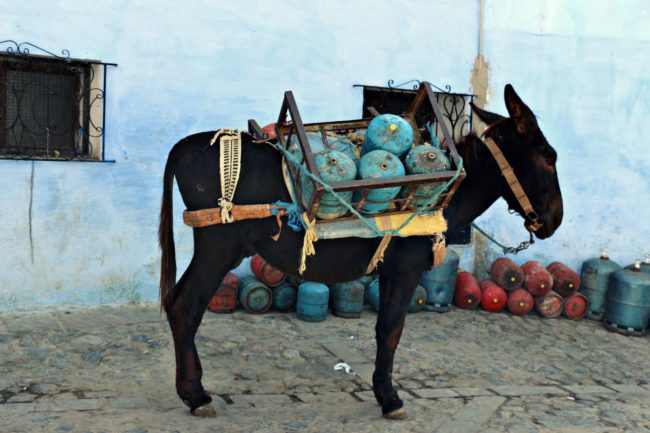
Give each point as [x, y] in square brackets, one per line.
[219, 248]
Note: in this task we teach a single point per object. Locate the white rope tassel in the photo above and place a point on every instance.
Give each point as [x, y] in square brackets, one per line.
[229, 168]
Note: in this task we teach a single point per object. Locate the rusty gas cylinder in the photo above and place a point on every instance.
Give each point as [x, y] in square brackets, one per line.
[225, 298]
[549, 305]
[254, 296]
[520, 302]
[493, 297]
[565, 280]
[266, 273]
[467, 293]
[575, 306]
[507, 274]
[537, 280]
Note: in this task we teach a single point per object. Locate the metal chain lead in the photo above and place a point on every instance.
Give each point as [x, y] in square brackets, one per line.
[507, 250]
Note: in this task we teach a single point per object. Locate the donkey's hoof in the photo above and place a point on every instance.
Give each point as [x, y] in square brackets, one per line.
[396, 415]
[205, 411]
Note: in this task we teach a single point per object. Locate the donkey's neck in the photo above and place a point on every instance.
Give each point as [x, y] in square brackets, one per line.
[479, 190]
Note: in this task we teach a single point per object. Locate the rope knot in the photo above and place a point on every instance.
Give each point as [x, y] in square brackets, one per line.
[308, 242]
[226, 210]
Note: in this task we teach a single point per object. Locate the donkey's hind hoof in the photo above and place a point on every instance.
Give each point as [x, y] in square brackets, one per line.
[396, 415]
[205, 411]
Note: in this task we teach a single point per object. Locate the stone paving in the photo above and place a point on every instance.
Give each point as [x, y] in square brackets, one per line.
[111, 370]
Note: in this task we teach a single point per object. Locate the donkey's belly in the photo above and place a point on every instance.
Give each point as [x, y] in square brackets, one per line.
[336, 260]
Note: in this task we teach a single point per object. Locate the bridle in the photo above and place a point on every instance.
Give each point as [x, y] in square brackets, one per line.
[535, 221]
[511, 179]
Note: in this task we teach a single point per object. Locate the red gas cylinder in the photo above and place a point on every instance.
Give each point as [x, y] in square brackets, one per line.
[575, 306]
[520, 302]
[550, 305]
[537, 280]
[493, 297]
[467, 294]
[266, 273]
[225, 299]
[507, 274]
[565, 281]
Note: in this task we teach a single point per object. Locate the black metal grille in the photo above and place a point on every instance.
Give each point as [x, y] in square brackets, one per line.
[396, 100]
[51, 107]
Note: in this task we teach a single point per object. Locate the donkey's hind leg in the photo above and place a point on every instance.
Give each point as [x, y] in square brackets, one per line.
[216, 250]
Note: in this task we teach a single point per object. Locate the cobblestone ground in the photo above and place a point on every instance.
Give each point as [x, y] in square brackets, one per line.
[111, 370]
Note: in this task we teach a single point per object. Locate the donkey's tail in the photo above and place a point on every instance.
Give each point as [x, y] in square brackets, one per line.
[166, 234]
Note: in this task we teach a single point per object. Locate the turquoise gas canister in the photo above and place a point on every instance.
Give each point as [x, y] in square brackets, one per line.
[313, 299]
[284, 297]
[594, 282]
[334, 166]
[254, 296]
[390, 133]
[347, 298]
[373, 294]
[418, 300]
[440, 283]
[628, 301]
[424, 159]
[379, 164]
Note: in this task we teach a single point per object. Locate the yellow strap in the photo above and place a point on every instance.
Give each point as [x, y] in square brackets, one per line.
[379, 254]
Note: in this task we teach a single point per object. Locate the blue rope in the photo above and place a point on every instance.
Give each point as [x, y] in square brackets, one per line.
[434, 138]
[419, 211]
[294, 214]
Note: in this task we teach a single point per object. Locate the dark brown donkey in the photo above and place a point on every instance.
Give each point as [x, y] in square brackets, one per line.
[219, 248]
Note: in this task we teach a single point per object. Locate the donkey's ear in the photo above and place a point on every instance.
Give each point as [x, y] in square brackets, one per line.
[486, 116]
[519, 112]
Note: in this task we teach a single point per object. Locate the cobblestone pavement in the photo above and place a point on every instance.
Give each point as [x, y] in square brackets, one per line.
[111, 370]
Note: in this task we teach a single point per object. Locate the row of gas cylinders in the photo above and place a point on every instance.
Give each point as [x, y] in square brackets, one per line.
[270, 288]
[550, 290]
[618, 296]
[387, 152]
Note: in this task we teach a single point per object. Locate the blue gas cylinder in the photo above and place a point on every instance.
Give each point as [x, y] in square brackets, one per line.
[372, 294]
[378, 164]
[424, 159]
[313, 299]
[440, 283]
[254, 296]
[343, 144]
[390, 133]
[284, 297]
[628, 301]
[594, 282]
[418, 300]
[333, 166]
[347, 298]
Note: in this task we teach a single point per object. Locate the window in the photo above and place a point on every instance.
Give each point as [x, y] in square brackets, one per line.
[51, 107]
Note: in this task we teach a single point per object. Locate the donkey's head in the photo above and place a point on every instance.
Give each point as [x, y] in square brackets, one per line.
[532, 159]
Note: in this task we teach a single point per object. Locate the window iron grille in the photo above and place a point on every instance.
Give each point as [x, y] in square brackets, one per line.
[52, 107]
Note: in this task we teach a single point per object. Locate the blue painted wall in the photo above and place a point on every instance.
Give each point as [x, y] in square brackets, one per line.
[186, 67]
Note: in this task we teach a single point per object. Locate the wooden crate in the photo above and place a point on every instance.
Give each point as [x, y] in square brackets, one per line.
[290, 123]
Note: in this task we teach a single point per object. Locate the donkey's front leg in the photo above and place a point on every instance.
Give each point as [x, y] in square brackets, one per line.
[398, 279]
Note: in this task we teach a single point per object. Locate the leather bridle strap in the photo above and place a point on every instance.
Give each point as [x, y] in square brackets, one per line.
[515, 186]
